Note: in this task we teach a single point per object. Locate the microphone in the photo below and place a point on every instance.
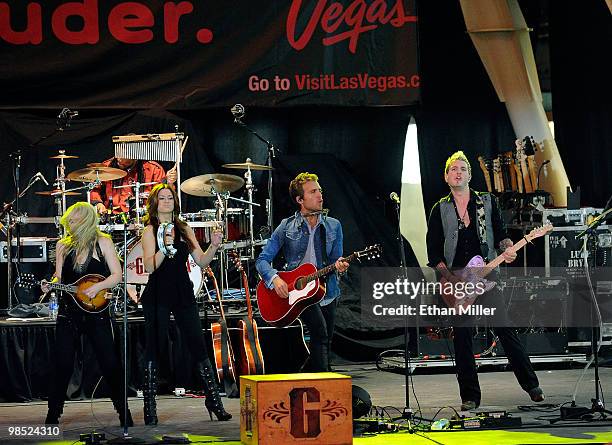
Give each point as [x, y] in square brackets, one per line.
[67, 114]
[42, 178]
[238, 112]
[394, 197]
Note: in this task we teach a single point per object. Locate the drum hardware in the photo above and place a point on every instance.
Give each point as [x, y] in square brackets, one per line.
[136, 186]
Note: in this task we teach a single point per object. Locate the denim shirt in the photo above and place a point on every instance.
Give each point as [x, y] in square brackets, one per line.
[291, 236]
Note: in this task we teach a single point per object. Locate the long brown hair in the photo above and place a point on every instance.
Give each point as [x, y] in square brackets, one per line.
[152, 217]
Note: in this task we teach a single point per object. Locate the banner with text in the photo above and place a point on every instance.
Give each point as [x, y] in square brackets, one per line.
[188, 54]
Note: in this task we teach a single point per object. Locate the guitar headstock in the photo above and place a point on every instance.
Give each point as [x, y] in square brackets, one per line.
[369, 253]
[236, 259]
[520, 149]
[27, 281]
[209, 272]
[485, 164]
[539, 231]
[497, 164]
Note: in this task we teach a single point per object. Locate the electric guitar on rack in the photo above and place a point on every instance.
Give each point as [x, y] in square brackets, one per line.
[305, 289]
[251, 358]
[522, 160]
[485, 166]
[476, 271]
[76, 290]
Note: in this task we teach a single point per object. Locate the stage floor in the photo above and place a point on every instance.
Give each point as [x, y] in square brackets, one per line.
[180, 416]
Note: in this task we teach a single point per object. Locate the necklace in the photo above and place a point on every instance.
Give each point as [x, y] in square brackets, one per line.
[461, 219]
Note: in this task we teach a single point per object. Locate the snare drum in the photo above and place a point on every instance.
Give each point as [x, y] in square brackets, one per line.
[138, 276]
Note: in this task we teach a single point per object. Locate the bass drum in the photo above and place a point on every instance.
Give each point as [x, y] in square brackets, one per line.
[137, 277]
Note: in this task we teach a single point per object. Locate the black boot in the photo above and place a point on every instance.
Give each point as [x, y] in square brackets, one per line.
[213, 399]
[149, 391]
[54, 411]
[119, 407]
[53, 416]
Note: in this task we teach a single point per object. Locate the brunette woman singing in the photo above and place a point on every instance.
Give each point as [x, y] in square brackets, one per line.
[170, 290]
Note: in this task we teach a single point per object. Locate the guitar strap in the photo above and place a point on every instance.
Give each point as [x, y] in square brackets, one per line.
[102, 259]
[324, 248]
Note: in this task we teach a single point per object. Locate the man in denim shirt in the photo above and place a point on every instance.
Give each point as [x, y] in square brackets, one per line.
[309, 236]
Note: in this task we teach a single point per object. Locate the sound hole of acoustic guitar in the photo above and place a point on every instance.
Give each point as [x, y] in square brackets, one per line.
[300, 283]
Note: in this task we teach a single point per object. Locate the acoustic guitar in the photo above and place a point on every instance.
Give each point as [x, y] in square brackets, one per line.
[305, 289]
[251, 357]
[222, 346]
[76, 290]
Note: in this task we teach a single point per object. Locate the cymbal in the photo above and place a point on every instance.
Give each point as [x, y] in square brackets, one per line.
[204, 185]
[89, 174]
[96, 164]
[55, 192]
[248, 165]
[63, 156]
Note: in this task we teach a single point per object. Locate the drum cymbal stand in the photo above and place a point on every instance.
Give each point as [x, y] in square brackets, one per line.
[136, 186]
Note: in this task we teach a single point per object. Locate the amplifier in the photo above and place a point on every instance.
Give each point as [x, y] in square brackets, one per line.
[33, 250]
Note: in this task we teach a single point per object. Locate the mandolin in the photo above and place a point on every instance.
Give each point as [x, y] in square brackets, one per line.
[251, 358]
[76, 290]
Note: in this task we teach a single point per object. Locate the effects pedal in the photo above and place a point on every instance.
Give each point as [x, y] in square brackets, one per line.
[485, 420]
[92, 438]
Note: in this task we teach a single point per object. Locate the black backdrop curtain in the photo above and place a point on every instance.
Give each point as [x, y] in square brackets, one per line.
[580, 43]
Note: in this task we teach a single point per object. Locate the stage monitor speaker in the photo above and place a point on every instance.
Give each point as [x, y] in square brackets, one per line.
[362, 403]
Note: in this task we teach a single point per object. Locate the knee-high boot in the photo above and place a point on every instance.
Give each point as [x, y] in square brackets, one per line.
[54, 411]
[149, 391]
[120, 408]
[213, 399]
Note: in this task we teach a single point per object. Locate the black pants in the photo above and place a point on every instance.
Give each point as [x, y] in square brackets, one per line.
[68, 331]
[320, 322]
[157, 319]
[469, 388]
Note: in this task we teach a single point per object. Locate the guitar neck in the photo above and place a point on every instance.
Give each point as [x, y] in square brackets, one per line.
[490, 266]
[247, 294]
[63, 287]
[329, 269]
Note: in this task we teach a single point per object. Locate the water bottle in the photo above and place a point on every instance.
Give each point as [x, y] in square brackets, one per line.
[53, 306]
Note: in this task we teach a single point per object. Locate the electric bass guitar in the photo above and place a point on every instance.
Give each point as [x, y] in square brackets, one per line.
[305, 289]
[251, 357]
[476, 271]
[76, 290]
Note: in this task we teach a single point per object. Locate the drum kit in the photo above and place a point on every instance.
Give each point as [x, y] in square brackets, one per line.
[236, 220]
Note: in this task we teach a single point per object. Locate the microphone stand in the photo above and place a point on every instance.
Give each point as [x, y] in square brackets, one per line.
[126, 438]
[407, 412]
[272, 150]
[63, 121]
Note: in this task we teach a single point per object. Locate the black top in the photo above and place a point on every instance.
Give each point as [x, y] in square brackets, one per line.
[170, 282]
[67, 305]
[468, 244]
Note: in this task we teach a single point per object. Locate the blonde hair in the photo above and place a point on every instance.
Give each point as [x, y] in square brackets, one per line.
[83, 233]
[296, 187]
[457, 156]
